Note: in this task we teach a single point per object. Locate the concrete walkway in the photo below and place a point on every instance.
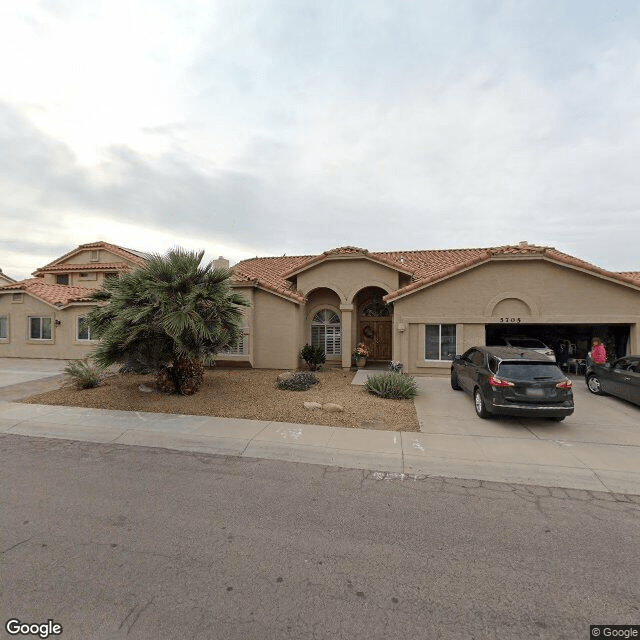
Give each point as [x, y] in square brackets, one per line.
[598, 448]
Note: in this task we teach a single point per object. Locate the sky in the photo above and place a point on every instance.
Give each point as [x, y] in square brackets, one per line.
[271, 127]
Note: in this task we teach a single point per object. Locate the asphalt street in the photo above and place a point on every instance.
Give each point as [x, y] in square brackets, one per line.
[114, 541]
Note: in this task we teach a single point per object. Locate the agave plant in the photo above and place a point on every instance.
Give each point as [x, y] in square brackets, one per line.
[172, 316]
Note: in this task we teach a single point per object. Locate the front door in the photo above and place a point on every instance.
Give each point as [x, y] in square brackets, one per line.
[376, 334]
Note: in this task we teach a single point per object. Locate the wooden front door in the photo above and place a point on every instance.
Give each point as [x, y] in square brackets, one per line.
[376, 334]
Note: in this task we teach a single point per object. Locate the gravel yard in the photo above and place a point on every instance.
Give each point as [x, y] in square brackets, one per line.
[248, 393]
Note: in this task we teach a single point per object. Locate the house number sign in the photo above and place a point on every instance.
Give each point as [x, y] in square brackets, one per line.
[510, 319]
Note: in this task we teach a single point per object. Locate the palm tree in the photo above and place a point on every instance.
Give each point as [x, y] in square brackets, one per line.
[172, 316]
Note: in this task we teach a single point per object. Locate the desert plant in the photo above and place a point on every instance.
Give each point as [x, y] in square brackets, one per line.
[392, 385]
[171, 316]
[84, 374]
[313, 356]
[299, 381]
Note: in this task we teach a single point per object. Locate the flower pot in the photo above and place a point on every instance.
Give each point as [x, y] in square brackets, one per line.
[361, 362]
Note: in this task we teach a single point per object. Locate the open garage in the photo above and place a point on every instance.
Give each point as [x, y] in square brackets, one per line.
[566, 340]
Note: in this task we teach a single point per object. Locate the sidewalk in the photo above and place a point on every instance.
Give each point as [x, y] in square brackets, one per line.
[489, 456]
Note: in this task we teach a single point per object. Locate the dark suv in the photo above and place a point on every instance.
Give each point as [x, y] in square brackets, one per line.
[513, 382]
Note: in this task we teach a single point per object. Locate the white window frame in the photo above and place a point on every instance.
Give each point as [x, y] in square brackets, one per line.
[78, 338]
[331, 341]
[41, 325]
[455, 338]
[241, 349]
[5, 337]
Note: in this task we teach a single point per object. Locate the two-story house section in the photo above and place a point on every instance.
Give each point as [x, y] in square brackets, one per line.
[44, 316]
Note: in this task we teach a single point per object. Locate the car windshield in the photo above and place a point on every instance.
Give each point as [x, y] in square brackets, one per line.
[532, 370]
[527, 343]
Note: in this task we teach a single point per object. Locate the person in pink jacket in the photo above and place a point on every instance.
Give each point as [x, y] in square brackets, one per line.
[598, 354]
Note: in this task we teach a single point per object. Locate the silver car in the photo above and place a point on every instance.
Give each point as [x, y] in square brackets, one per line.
[530, 343]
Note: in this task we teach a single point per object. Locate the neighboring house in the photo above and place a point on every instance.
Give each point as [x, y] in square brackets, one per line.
[416, 307]
[43, 317]
[422, 307]
[5, 279]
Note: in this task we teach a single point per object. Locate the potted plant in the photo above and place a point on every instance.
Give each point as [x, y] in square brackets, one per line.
[360, 354]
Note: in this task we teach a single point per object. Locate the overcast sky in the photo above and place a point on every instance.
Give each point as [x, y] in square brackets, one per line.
[263, 127]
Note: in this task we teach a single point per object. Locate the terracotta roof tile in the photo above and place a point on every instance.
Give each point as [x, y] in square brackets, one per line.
[425, 267]
[137, 257]
[92, 266]
[58, 294]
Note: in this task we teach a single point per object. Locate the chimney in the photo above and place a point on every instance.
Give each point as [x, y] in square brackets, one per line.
[221, 263]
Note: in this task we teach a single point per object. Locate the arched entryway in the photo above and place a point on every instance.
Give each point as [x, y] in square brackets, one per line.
[374, 323]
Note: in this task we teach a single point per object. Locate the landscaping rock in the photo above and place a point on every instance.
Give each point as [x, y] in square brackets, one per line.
[311, 406]
[146, 389]
[330, 406]
[285, 376]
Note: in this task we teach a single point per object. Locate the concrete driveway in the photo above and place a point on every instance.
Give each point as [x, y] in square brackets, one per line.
[20, 377]
[601, 440]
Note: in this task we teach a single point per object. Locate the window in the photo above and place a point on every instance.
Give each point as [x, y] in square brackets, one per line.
[239, 350]
[83, 331]
[16, 297]
[4, 327]
[40, 328]
[326, 333]
[62, 278]
[94, 256]
[87, 276]
[439, 341]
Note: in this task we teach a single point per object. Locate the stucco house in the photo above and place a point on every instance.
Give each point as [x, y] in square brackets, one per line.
[422, 307]
[43, 317]
[416, 307]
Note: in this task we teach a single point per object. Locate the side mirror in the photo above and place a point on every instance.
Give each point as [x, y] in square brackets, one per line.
[607, 365]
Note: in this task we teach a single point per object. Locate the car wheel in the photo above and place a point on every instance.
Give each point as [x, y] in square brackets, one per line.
[481, 408]
[593, 384]
[455, 385]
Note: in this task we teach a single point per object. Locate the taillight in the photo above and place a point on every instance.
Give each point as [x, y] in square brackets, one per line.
[496, 382]
[565, 384]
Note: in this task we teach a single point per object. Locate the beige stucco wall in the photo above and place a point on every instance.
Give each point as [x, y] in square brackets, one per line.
[347, 277]
[63, 345]
[276, 323]
[534, 291]
[95, 270]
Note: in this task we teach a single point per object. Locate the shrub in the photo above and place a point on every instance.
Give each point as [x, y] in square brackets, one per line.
[395, 366]
[313, 356]
[84, 374]
[299, 381]
[392, 385]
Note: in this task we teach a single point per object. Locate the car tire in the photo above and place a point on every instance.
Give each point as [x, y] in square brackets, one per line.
[593, 384]
[455, 385]
[557, 418]
[479, 404]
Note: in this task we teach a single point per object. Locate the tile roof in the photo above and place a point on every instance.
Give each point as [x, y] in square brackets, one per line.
[136, 257]
[92, 266]
[347, 251]
[57, 294]
[425, 267]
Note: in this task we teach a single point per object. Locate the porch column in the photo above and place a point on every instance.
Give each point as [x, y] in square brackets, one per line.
[345, 324]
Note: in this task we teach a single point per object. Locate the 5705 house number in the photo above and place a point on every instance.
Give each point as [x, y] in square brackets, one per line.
[510, 319]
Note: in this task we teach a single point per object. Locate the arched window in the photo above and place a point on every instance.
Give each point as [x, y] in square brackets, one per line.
[326, 333]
